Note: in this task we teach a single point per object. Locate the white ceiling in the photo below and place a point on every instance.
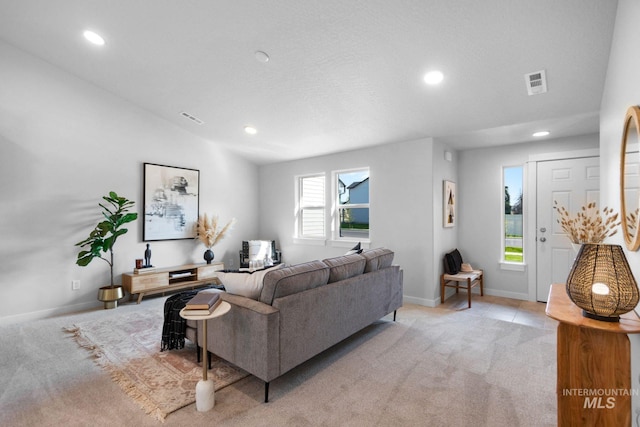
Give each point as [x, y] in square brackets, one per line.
[342, 74]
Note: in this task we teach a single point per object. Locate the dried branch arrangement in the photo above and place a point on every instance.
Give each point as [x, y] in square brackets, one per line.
[588, 225]
[208, 231]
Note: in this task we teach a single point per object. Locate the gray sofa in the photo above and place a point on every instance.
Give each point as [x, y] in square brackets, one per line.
[303, 310]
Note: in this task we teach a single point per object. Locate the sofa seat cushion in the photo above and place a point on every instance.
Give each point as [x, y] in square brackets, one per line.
[344, 267]
[244, 283]
[290, 280]
[377, 259]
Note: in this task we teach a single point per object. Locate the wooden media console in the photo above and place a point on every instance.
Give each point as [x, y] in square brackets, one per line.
[163, 280]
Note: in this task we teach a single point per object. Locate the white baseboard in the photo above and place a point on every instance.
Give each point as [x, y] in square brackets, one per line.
[421, 301]
[43, 314]
[506, 294]
[476, 291]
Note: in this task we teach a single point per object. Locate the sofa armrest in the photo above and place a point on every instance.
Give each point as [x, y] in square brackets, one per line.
[247, 336]
[249, 304]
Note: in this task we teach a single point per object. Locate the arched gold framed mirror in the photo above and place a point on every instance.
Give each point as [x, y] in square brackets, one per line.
[630, 179]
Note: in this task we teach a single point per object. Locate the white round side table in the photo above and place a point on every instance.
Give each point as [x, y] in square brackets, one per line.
[205, 398]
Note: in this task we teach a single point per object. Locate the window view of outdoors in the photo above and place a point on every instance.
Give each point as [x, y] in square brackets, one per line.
[353, 204]
[513, 214]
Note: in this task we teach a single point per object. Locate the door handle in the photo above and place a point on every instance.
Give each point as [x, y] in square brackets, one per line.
[543, 239]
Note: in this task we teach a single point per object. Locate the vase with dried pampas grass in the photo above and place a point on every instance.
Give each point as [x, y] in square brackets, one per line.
[209, 232]
[589, 225]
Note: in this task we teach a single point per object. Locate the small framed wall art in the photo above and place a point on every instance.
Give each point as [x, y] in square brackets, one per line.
[449, 203]
[171, 202]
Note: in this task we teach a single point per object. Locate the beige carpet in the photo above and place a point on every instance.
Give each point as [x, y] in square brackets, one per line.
[128, 347]
[433, 367]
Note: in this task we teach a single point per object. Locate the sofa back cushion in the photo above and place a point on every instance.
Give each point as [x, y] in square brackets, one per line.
[377, 259]
[345, 266]
[290, 280]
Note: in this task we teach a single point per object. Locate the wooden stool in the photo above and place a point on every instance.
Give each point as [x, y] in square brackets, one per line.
[462, 280]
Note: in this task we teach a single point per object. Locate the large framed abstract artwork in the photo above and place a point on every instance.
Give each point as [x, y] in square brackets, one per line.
[171, 202]
[449, 204]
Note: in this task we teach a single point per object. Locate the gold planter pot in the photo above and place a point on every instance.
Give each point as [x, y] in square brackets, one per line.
[110, 296]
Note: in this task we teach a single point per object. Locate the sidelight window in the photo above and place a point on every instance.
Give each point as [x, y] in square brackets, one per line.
[512, 248]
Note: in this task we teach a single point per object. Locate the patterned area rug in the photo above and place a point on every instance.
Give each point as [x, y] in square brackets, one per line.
[128, 347]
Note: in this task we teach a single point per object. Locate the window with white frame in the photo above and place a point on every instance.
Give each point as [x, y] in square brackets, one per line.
[351, 195]
[311, 206]
[513, 215]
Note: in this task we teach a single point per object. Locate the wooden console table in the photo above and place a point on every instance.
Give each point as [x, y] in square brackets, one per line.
[594, 364]
[162, 280]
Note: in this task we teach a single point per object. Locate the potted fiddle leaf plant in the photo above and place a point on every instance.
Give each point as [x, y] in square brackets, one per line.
[102, 240]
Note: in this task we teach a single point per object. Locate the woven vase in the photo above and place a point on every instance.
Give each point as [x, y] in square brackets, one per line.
[607, 264]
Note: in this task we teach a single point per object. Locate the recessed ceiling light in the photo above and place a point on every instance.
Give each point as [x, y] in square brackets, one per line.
[93, 38]
[262, 56]
[541, 133]
[433, 77]
[250, 130]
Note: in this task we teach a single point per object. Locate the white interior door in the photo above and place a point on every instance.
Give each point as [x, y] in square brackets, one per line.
[572, 183]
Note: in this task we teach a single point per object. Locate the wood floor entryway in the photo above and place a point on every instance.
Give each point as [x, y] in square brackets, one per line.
[528, 313]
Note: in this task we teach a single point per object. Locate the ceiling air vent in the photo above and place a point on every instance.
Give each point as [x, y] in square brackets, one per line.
[536, 82]
[192, 118]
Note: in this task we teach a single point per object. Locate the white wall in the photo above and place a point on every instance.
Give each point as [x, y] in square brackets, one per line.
[481, 196]
[65, 143]
[444, 239]
[622, 90]
[404, 208]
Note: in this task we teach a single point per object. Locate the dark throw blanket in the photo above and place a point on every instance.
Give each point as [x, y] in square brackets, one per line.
[173, 329]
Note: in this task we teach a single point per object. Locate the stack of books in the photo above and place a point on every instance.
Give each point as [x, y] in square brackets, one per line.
[203, 304]
[144, 270]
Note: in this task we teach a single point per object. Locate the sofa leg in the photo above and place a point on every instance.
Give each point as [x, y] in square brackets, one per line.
[209, 354]
[266, 392]
[198, 353]
[394, 315]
